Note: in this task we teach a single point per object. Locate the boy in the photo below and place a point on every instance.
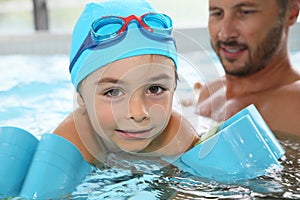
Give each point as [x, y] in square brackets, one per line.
[123, 66]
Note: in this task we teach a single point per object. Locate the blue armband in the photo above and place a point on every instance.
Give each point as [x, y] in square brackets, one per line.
[243, 147]
[42, 169]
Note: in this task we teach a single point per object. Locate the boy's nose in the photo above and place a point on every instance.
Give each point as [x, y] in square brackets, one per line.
[137, 109]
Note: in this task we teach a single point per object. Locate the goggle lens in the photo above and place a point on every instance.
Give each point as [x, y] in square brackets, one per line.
[105, 28]
[157, 21]
[161, 24]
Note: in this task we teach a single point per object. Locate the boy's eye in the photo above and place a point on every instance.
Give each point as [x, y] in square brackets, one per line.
[155, 90]
[114, 93]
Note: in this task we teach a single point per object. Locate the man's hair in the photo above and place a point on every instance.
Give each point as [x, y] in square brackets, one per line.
[283, 6]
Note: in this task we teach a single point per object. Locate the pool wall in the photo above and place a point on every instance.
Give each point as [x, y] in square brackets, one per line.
[188, 40]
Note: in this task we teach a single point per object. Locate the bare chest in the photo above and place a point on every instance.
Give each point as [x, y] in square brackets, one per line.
[220, 108]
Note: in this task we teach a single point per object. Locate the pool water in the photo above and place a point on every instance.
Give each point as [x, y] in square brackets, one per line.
[36, 94]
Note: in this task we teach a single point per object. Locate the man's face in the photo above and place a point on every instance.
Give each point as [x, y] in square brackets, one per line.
[245, 34]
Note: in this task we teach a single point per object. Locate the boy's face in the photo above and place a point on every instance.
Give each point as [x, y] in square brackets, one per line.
[129, 102]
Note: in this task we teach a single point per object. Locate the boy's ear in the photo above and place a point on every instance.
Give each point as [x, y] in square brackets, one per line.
[80, 100]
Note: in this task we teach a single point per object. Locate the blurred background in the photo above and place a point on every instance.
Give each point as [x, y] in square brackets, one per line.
[45, 26]
[45, 23]
[16, 16]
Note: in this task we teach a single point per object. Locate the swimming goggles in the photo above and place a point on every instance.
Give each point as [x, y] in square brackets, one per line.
[110, 30]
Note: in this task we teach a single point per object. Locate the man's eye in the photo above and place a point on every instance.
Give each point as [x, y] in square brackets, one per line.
[215, 13]
[247, 12]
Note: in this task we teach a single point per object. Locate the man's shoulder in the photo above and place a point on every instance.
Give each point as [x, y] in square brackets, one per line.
[292, 88]
[217, 82]
[211, 87]
[287, 96]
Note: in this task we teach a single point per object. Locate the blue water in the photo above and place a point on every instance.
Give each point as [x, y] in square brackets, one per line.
[36, 94]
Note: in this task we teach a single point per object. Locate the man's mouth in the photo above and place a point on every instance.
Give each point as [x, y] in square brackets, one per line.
[232, 52]
[232, 47]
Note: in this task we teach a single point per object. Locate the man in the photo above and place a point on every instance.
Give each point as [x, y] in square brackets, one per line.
[250, 38]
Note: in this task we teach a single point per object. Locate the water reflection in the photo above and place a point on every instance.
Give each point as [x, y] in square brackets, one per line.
[170, 183]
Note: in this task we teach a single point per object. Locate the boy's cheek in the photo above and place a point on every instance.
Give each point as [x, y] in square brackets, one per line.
[159, 114]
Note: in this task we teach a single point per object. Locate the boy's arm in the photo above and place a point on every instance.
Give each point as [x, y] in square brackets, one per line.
[67, 129]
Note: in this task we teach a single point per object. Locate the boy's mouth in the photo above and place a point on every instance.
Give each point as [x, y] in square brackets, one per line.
[134, 134]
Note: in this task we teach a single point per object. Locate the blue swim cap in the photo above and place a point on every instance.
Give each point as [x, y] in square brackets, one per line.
[135, 42]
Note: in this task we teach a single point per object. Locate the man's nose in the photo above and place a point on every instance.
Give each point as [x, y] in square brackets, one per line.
[228, 29]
